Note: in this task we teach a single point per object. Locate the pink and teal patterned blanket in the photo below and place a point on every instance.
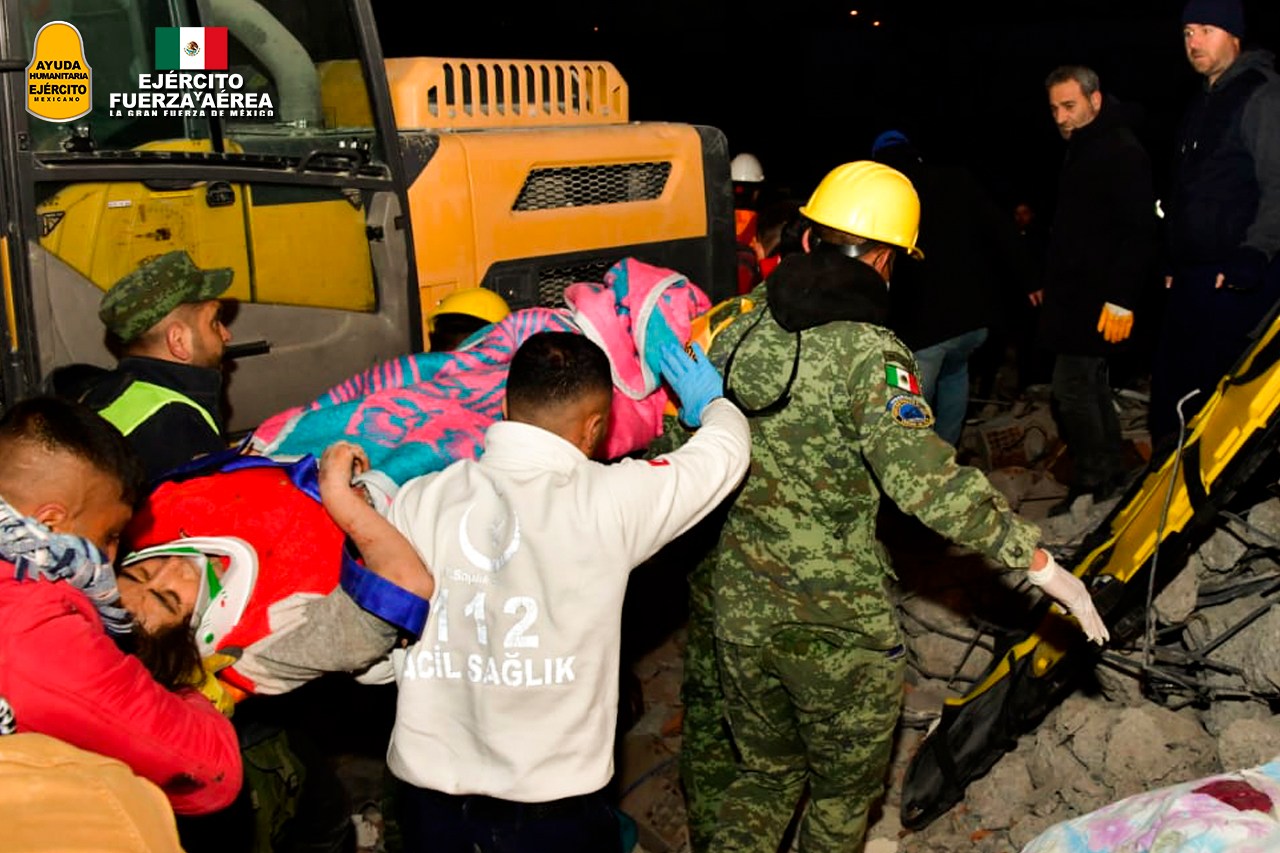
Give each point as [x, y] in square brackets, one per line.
[417, 413]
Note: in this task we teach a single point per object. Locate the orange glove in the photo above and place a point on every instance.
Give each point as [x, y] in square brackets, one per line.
[1115, 323]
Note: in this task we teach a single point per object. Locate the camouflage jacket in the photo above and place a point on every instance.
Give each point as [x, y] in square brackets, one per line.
[799, 545]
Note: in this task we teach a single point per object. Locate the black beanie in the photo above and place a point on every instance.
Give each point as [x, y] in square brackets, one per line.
[1224, 14]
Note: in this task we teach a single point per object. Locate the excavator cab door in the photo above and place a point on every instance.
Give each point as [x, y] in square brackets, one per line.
[211, 131]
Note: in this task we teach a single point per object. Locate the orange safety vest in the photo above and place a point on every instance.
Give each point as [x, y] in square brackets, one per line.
[744, 226]
[749, 249]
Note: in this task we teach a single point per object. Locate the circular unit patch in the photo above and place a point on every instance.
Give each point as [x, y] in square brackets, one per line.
[910, 411]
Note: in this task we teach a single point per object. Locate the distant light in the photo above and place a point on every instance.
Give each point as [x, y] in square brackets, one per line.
[595, 29]
[853, 11]
[1159, 209]
[875, 23]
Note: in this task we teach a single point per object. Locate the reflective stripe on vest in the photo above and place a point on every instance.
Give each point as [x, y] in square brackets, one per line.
[141, 400]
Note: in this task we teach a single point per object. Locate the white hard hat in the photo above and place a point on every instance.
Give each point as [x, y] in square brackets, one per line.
[745, 168]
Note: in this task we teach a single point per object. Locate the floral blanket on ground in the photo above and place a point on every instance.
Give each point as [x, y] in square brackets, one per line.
[418, 413]
[1234, 812]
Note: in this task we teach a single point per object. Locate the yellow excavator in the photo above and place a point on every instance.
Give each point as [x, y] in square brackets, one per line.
[372, 188]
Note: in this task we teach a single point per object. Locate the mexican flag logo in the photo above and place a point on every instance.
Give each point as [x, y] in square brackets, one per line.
[899, 377]
[191, 48]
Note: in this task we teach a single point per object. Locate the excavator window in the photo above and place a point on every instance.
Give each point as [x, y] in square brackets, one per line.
[304, 57]
[119, 44]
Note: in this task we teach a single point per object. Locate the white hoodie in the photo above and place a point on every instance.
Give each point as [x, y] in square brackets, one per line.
[512, 690]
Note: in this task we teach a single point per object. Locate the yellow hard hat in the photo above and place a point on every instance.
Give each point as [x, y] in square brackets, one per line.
[474, 302]
[869, 200]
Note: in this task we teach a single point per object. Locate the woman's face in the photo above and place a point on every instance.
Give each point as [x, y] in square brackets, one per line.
[160, 592]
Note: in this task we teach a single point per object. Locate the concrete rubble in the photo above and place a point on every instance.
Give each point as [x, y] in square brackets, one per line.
[1112, 741]
[1101, 744]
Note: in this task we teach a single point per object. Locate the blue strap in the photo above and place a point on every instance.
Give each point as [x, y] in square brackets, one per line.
[375, 594]
[381, 597]
[303, 472]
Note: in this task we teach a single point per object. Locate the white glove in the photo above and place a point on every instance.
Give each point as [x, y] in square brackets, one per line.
[1069, 591]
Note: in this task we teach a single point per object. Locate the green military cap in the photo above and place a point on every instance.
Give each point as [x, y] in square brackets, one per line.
[142, 298]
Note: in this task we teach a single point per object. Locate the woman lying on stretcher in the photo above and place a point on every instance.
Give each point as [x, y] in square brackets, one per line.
[270, 565]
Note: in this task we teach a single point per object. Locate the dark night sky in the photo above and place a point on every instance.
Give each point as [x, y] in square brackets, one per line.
[810, 86]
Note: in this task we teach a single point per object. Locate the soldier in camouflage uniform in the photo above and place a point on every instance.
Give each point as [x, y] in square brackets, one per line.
[807, 645]
[707, 762]
[165, 394]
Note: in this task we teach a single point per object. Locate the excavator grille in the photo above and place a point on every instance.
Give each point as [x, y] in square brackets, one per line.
[584, 186]
[553, 280]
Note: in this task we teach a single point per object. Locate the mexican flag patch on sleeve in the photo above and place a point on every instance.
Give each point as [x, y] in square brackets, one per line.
[898, 376]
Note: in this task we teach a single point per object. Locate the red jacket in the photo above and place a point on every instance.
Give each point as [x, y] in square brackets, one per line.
[299, 548]
[64, 677]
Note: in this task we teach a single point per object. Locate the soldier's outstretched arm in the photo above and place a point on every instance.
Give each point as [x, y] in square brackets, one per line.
[918, 470]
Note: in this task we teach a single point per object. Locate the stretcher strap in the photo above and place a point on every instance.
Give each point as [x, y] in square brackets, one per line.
[381, 597]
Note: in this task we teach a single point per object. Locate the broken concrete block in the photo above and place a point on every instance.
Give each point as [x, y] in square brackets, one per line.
[1047, 803]
[1003, 794]
[1074, 713]
[1118, 684]
[1030, 826]
[1086, 794]
[1221, 551]
[1152, 746]
[1222, 713]
[1178, 599]
[1211, 622]
[1262, 653]
[1052, 765]
[1248, 743]
[1202, 571]
[1266, 518]
[1089, 743]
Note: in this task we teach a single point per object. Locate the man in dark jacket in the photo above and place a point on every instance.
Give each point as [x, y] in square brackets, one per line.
[943, 306]
[165, 393]
[1224, 213]
[1100, 251]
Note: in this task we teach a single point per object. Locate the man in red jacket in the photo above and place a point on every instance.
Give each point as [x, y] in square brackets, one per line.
[67, 488]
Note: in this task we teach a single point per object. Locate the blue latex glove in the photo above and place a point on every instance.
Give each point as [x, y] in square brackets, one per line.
[694, 379]
[658, 340]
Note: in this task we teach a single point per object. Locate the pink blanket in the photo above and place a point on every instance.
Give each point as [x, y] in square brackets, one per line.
[417, 413]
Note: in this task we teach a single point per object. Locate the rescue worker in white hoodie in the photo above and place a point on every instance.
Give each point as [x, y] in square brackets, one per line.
[507, 703]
